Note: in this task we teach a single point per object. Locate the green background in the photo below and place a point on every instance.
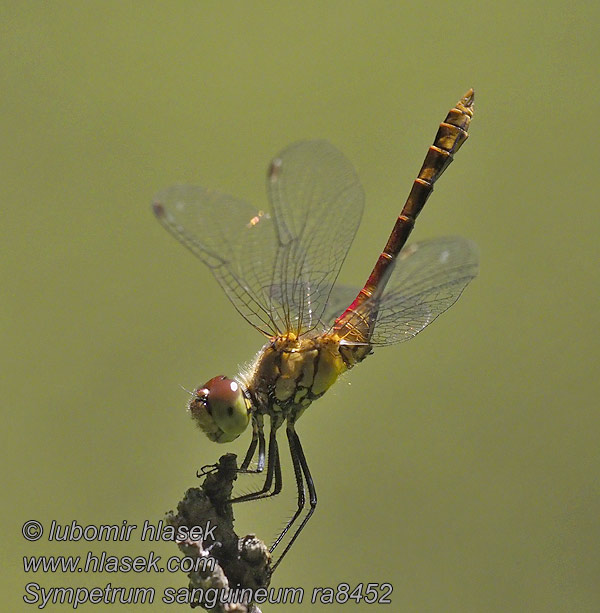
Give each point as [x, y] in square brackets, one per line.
[462, 467]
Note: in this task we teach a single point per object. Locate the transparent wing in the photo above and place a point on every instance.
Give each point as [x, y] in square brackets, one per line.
[428, 278]
[277, 267]
[236, 241]
[340, 299]
[317, 203]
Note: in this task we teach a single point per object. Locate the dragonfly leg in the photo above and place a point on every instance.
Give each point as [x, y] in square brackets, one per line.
[273, 478]
[258, 438]
[303, 475]
[299, 485]
[207, 469]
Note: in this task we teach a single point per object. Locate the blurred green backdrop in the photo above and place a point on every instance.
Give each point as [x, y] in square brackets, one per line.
[462, 467]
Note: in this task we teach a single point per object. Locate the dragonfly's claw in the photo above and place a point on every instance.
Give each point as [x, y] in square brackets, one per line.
[207, 469]
[251, 471]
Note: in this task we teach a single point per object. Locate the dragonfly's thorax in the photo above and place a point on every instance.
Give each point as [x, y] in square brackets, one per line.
[290, 372]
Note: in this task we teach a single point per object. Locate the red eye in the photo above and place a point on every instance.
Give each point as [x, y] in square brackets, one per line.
[222, 390]
[221, 409]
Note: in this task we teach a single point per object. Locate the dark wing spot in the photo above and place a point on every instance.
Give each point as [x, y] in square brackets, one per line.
[159, 209]
[274, 170]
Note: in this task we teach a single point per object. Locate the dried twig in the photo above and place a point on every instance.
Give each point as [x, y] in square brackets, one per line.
[227, 564]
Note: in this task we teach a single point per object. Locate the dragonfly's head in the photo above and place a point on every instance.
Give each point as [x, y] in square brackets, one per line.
[221, 409]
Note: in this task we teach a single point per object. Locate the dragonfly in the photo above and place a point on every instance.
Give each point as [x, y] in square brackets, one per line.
[279, 268]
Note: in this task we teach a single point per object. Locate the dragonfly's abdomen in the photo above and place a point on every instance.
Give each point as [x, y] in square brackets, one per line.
[357, 322]
[290, 373]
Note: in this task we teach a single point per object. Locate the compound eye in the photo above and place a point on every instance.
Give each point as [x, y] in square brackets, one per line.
[221, 409]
